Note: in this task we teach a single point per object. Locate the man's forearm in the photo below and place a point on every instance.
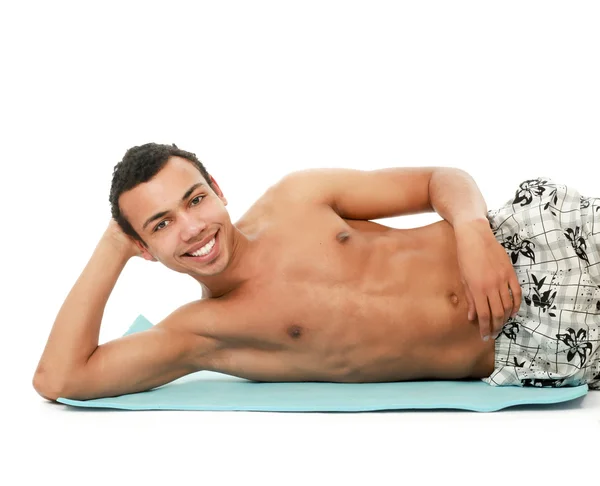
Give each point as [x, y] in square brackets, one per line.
[75, 333]
[454, 195]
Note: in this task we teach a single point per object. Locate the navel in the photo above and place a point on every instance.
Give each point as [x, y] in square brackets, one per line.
[294, 331]
[342, 236]
[454, 298]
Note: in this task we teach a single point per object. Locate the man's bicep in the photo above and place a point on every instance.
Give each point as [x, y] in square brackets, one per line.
[140, 361]
[366, 194]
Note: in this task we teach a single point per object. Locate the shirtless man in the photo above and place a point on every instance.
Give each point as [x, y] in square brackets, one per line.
[302, 288]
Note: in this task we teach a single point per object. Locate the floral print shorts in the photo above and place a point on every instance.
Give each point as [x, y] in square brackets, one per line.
[552, 235]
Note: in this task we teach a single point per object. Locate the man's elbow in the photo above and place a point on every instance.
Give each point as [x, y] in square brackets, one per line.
[50, 389]
[53, 387]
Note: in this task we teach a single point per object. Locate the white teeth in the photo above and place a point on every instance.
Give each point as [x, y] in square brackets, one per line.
[205, 250]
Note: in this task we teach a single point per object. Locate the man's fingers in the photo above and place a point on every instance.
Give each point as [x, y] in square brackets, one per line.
[507, 302]
[497, 312]
[471, 312]
[484, 314]
[516, 290]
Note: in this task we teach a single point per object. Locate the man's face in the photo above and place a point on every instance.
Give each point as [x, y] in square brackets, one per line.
[176, 210]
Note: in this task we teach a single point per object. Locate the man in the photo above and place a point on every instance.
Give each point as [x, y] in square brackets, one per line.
[305, 288]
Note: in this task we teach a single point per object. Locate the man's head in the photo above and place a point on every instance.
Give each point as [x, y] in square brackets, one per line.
[165, 199]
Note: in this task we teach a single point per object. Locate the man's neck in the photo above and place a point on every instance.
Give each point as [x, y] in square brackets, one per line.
[240, 269]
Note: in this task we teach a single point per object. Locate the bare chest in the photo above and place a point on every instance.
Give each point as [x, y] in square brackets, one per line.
[338, 296]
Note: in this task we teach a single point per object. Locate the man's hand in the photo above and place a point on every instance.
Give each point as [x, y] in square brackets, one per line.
[123, 242]
[488, 276]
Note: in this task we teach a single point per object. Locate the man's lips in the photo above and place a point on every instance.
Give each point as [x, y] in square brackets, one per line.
[200, 245]
[210, 256]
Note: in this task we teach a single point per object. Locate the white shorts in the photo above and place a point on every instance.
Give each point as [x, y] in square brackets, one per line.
[552, 235]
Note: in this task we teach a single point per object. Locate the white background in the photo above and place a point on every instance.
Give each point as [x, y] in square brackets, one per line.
[505, 90]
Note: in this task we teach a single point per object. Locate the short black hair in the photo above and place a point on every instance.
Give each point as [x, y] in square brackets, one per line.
[140, 164]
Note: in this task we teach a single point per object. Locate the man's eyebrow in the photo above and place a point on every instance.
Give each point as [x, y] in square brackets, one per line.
[164, 213]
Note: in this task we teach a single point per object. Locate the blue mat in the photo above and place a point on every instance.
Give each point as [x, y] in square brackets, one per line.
[206, 390]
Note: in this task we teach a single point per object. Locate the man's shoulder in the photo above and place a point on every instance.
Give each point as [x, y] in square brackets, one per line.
[218, 318]
[303, 187]
[210, 327]
[292, 191]
[199, 317]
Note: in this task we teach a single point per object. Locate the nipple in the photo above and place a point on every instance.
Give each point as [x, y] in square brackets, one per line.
[294, 331]
[342, 236]
[454, 298]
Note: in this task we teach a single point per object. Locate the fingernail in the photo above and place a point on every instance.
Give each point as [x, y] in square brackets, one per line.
[485, 338]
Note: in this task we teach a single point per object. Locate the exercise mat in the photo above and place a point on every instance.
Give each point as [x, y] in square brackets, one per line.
[206, 390]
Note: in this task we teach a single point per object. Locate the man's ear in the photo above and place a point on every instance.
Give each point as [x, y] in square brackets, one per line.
[145, 254]
[217, 190]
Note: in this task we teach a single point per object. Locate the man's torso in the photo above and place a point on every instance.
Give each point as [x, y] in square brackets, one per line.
[347, 301]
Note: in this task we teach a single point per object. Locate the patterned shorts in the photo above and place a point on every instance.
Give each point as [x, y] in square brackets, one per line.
[552, 235]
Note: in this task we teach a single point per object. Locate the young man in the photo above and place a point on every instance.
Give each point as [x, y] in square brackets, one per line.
[305, 288]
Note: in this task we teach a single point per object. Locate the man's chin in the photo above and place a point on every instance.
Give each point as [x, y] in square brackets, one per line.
[205, 270]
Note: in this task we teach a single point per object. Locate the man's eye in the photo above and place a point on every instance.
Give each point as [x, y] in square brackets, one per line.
[158, 227]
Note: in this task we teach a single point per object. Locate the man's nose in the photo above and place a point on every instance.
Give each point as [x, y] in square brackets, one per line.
[190, 227]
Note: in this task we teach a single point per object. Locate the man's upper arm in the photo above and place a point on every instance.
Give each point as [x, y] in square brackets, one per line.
[364, 194]
[147, 359]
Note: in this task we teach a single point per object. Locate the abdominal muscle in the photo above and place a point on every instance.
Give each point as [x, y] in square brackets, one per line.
[416, 326]
[381, 305]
